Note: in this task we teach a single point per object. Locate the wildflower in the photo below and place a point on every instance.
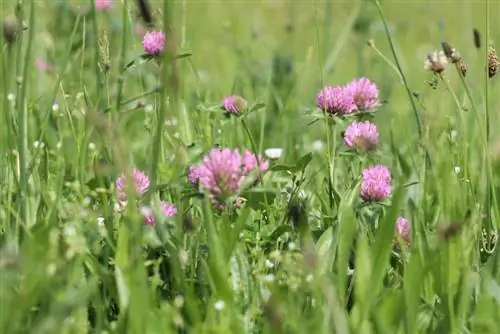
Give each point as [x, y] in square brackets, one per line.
[454, 57]
[318, 145]
[222, 172]
[101, 5]
[168, 210]
[402, 231]
[234, 104]
[335, 101]
[153, 42]
[274, 153]
[364, 93]
[376, 183]
[492, 62]
[219, 305]
[140, 182]
[194, 175]
[361, 136]
[436, 61]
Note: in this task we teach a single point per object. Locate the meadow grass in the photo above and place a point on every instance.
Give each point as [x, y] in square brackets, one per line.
[304, 250]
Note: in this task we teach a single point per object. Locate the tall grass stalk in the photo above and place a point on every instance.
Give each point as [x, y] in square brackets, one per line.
[416, 113]
[23, 79]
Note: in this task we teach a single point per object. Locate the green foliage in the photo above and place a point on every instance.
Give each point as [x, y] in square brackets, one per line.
[302, 252]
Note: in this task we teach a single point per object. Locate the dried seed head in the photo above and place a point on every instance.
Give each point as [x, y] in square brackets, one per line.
[451, 53]
[477, 38]
[462, 67]
[145, 12]
[492, 62]
[11, 28]
[450, 230]
[436, 61]
[447, 49]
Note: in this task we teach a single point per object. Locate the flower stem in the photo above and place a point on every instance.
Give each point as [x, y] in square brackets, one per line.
[416, 113]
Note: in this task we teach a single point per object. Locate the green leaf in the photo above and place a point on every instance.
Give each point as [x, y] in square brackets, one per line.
[303, 162]
[282, 168]
[257, 198]
[279, 231]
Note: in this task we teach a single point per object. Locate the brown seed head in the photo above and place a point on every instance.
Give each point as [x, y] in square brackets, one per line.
[462, 67]
[11, 28]
[450, 230]
[492, 62]
[436, 62]
[477, 38]
[451, 53]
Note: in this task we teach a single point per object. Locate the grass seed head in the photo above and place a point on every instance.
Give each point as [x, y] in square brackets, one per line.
[11, 29]
[492, 62]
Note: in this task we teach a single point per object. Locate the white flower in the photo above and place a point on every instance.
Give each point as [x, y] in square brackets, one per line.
[100, 221]
[55, 107]
[269, 278]
[457, 169]
[91, 146]
[11, 97]
[219, 305]
[274, 153]
[318, 145]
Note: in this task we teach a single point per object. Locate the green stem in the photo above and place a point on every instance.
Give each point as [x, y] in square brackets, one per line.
[23, 109]
[122, 55]
[98, 76]
[326, 117]
[416, 114]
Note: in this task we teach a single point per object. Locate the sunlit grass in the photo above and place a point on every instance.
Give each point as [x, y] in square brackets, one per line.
[302, 252]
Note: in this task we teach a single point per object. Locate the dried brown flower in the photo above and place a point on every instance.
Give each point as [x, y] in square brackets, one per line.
[11, 28]
[477, 38]
[492, 62]
[436, 61]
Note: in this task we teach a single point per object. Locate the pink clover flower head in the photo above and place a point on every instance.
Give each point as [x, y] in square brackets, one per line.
[362, 136]
[402, 230]
[364, 94]
[43, 65]
[376, 183]
[251, 162]
[139, 180]
[168, 210]
[101, 5]
[194, 175]
[153, 42]
[234, 104]
[335, 101]
[222, 172]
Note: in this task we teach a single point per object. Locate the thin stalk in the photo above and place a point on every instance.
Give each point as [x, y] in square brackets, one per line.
[122, 55]
[326, 116]
[384, 58]
[166, 91]
[489, 174]
[98, 75]
[23, 109]
[416, 113]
